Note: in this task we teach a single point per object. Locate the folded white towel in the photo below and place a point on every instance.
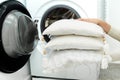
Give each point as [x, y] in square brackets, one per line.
[71, 26]
[75, 42]
[59, 59]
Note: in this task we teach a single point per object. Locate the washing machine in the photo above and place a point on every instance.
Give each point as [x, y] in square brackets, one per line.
[45, 12]
[19, 32]
[21, 28]
[18, 38]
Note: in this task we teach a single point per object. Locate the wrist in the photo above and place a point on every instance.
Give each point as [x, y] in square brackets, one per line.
[106, 27]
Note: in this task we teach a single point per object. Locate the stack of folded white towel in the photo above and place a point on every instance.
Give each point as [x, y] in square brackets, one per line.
[74, 41]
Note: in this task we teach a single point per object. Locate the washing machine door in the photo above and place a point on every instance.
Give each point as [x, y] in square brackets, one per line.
[18, 36]
[54, 10]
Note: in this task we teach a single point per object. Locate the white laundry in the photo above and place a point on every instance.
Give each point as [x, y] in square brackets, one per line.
[75, 42]
[59, 59]
[75, 45]
[71, 26]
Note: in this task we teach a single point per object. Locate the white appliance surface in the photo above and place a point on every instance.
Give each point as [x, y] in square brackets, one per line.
[90, 11]
[37, 9]
[82, 71]
[22, 74]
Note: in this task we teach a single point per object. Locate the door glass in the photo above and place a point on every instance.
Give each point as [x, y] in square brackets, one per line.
[18, 34]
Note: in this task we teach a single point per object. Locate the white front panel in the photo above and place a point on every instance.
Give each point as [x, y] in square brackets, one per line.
[104, 9]
[23, 2]
[90, 7]
[85, 8]
[22, 74]
[89, 71]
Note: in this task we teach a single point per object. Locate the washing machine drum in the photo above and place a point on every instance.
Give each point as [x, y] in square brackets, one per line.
[17, 36]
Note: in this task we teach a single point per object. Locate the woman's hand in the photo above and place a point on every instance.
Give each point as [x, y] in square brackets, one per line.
[106, 27]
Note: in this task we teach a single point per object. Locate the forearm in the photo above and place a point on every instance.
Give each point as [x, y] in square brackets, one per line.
[112, 31]
[106, 27]
[115, 33]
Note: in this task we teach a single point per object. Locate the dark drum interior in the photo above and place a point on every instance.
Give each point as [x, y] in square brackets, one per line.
[56, 13]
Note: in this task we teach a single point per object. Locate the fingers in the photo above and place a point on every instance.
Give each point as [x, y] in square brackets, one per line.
[83, 19]
[92, 20]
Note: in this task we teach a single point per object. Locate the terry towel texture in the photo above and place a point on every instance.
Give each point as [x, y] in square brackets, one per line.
[75, 41]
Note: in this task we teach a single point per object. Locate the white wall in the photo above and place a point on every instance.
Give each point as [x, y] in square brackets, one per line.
[113, 12]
